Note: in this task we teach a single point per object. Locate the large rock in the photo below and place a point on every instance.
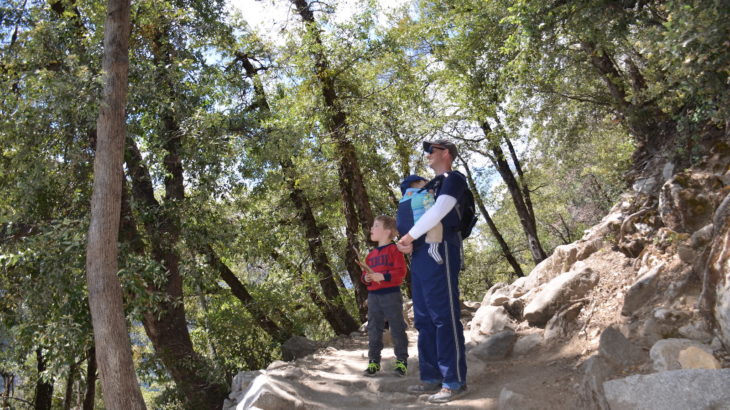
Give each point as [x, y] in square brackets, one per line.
[618, 350]
[497, 347]
[678, 389]
[488, 320]
[297, 347]
[696, 358]
[641, 291]
[261, 392]
[596, 370]
[526, 343]
[509, 400]
[687, 202]
[561, 324]
[719, 266]
[665, 353]
[559, 292]
[563, 259]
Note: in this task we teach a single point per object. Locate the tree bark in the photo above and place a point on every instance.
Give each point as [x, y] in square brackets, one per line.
[333, 308]
[43, 388]
[121, 390]
[279, 333]
[518, 199]
[69, 395]
[167, 326]
[506, 251]
[90, 394]
[355, 197]
[338, 316]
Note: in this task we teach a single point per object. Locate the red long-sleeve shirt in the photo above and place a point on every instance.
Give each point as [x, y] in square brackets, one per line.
[389, 261]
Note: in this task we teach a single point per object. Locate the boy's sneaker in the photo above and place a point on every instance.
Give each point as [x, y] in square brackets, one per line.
[423, 388]
[401, 367]
[446, 395]
[373, 367]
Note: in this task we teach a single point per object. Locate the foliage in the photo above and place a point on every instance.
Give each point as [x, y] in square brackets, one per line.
[432, 69]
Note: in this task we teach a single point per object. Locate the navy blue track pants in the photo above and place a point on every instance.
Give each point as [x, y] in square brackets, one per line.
[437, 314]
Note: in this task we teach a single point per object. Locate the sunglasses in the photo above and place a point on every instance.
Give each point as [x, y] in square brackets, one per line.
[433, 147]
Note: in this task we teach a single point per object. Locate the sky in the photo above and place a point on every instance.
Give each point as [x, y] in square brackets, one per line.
[269, 17]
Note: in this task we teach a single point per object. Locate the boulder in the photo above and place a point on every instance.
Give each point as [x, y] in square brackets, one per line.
[496, 347]
[562, 260]
[596, 370]
[514, 308]
[688, 200]
[297, 347]
[641, 291]
[263, 393]
[696, 331]
[618, 350]
[665, 353]
[487, 321]
[526, 343]
[695, 358]
[719, 266]
[499, 286]
[561, 291]
[509, 400]
[701, 237]
[677, 389]
[560, 324]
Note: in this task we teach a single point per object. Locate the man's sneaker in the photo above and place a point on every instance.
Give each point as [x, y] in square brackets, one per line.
[401, 367]
[373, 367]
[423, 388]
[446, 395]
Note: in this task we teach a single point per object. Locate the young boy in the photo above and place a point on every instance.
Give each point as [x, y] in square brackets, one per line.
[383, 274]
[416, 200]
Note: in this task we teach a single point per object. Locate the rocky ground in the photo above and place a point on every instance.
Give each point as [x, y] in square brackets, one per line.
[635, 315]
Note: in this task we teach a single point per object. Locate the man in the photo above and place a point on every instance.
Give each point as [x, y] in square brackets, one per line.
[436, 307]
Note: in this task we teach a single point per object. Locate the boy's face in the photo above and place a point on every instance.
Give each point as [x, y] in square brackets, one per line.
[418, 184]
[378, 233]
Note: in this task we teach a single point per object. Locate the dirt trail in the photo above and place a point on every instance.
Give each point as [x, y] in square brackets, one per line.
[333, 378]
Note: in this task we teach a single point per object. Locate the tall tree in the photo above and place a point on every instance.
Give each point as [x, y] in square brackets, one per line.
[490, 222]
[121, 390]
[355, 198]
[332, 306]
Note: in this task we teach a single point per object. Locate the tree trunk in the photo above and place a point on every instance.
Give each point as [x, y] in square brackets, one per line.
[518, 199]
[521, 180]
[90, 395]
[121, 390]
[352, 187]
[650, 126]
[330, 314]
[8, 380]
[333, 308]
[167, 326]
[492, 226]
[280, 334]
[43, 388]
[338, 316]
[68, 397]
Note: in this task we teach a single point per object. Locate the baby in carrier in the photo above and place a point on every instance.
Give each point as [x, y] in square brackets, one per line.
[415, 202]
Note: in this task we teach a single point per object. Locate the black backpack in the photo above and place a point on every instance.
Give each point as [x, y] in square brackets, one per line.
[465, 207]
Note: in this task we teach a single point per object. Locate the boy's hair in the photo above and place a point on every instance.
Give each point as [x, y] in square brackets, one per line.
[388, 223]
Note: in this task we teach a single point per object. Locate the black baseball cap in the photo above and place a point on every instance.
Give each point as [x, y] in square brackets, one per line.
[446, 144]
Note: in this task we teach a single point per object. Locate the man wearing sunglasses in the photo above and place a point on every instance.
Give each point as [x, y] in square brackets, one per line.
[435, 286]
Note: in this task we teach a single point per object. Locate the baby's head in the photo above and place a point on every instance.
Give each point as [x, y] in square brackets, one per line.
[412, 181]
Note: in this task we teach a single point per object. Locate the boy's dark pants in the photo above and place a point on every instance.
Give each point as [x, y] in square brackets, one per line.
[382, 307]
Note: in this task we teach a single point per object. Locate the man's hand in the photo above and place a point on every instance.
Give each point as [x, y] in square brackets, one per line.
[405, 244]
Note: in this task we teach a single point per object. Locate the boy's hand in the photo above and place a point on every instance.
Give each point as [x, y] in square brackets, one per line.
[377, 277]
